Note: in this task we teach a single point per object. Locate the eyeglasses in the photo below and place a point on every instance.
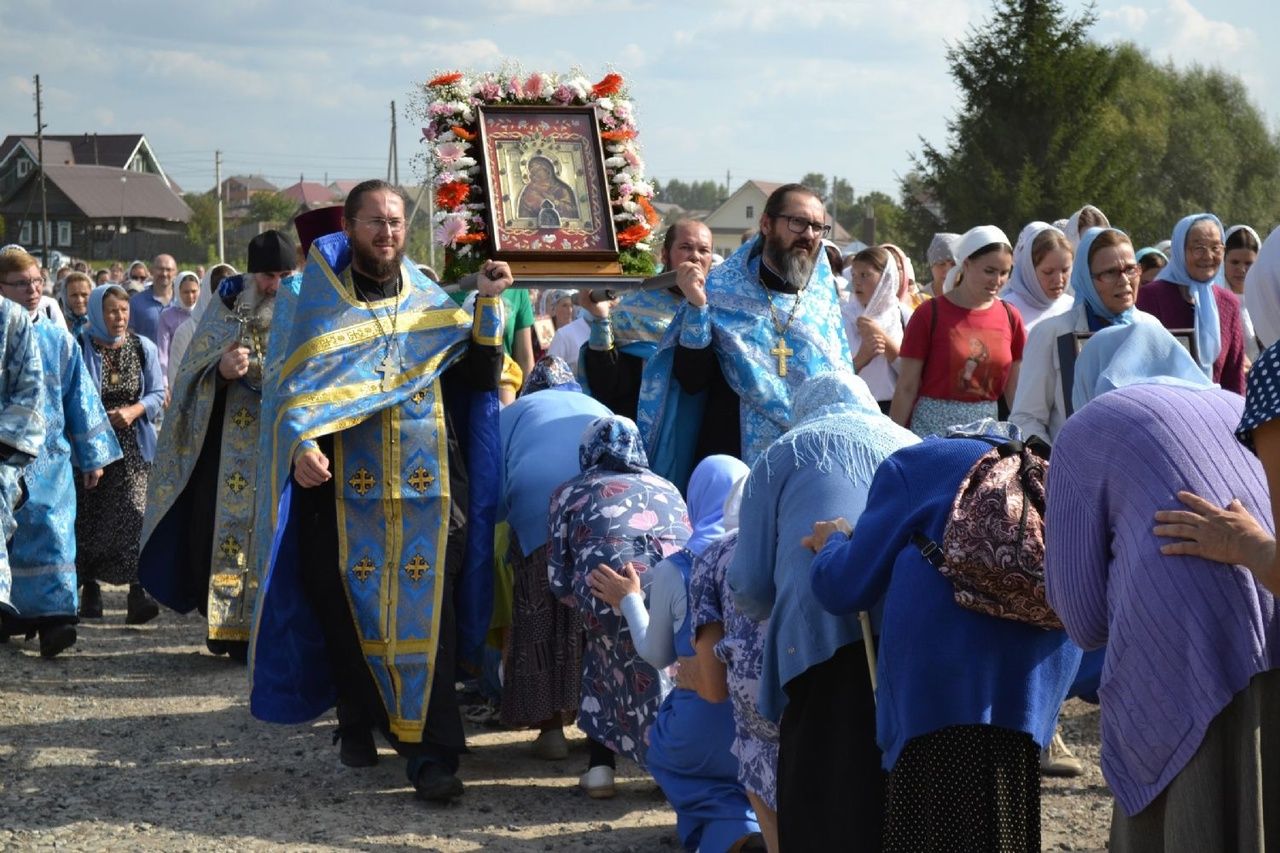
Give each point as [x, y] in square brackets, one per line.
[25, 283]
[799, 225]
[1113, 275]
[1207, 250]
[377, 224]
[138, 277]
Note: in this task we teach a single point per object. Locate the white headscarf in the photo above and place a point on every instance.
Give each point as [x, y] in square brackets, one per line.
[882, 307]
[1072, 230]
[1023, 290]
[187, 328]
[1262, 291]
[971, 241]
[907, 273]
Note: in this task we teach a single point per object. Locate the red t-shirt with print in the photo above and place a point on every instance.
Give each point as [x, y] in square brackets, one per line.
[970, 352]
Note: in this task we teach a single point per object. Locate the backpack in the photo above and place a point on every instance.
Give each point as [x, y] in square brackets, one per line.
[992, 550]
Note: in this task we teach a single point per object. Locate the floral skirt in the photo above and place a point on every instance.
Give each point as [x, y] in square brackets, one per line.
[933, 417]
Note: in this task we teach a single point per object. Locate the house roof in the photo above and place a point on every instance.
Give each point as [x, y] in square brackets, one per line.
[253, 182]
[100, 193]
[86, 149]
[343, 186]
[308, 192]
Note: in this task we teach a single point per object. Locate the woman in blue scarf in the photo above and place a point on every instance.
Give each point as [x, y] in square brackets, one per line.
[1184, 297]
[126, 369]
[75, 302]
[690, 743]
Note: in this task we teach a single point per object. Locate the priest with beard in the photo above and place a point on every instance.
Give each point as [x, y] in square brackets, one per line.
[377, 492]
[765, 321]
[198, 532]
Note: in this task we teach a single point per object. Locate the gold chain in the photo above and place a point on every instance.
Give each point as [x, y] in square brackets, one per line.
[773, 314]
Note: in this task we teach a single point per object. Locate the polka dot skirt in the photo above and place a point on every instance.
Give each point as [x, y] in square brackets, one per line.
[1262, 399]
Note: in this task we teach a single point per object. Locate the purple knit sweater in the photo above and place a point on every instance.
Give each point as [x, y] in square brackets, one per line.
[1183, 635]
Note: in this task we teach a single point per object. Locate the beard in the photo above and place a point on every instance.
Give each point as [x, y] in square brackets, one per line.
[795, 264]
[373, 266]
[262, 306]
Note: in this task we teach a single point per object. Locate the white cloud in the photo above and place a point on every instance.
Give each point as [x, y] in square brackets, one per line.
[1128, 19]
[1194, 33]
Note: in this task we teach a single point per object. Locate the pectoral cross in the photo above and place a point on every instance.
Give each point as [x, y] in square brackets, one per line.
[782, 351]
[386, 368]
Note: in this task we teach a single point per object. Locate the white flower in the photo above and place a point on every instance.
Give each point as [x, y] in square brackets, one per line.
[604, 104]
[622, 109]
[644, 247]
[615, 162]
[639, 187]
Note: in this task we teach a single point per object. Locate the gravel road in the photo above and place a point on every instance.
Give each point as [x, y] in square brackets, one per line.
[138, 739]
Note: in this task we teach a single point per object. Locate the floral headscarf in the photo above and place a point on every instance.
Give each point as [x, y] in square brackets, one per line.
[551, 372]
[613, 443]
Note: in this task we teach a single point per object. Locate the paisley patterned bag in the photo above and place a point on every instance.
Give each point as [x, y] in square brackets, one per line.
[993, 547]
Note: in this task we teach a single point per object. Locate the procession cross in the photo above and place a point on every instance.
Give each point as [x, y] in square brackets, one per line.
[782, 351]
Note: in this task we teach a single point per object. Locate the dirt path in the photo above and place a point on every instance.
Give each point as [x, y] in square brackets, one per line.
[138, 739]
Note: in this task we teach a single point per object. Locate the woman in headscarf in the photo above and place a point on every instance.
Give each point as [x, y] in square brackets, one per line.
[1104, 278]
[75, 302]
[1041, 271]
[1081, 221]
[572, 331]
[908, 291]
[962, 351]
[186, 330]
[135, 280]
[126, 369]
[543, 668]
[1184, 297]
[965, 701]
[186, 288]
[729, 647]
[1151, 260]
[690, 744]
[874, 320]
[1189, 690]
[1242, 244]
[616, 513]
[813, 678]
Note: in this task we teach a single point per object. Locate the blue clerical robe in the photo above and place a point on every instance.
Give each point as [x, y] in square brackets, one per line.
[22, 426]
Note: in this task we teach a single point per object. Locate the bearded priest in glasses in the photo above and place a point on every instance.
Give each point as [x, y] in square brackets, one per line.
[377, 495]
[749, 334]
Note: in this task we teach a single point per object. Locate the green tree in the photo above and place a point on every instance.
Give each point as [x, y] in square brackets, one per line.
[696, 195]
[202, 227]
[271, 207]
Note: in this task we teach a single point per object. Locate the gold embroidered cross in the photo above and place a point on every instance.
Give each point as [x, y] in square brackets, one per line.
[782, 351]
[243, 418]
[362, 482]
[421, 479]
[237, 483]
[230, 547]
[363, 569]
[417, 567]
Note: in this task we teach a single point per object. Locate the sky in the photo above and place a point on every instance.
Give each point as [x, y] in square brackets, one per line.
[764, 89]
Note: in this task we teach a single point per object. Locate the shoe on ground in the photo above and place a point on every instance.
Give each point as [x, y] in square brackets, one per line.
[598, 782]
[56, 638]
[436, 784]
[216, 647]
[358, 748]
[1058, 761]
[551, 745]
[91, 601]
[140, 607]
[238, 650]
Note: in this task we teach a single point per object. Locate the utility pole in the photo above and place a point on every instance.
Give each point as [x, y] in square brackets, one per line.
[217, 179]
[44, 201]
[393, 158]
[727, 178]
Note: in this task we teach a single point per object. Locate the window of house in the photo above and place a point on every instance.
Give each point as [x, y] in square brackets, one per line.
[24, 167]
[24, 234]
[751, 211]
[64, 232]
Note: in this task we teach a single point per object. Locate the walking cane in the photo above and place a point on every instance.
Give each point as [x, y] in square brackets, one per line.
[864, 619]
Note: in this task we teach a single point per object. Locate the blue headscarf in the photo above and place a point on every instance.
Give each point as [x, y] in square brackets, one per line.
[551, 372]
[613, 443]
[97, 319]
[1082, 281]
[1136, 354]
[709, 487]
[1208, 329]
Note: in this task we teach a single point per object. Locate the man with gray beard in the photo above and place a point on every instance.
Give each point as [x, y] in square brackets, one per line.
[763, 323]
[198, 534]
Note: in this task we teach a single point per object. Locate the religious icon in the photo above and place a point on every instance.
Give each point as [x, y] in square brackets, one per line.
[545, 184]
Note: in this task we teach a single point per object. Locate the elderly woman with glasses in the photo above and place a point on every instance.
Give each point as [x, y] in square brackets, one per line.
[1184, 297]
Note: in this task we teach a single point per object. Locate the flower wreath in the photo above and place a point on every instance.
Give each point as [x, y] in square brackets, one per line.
[451, 131]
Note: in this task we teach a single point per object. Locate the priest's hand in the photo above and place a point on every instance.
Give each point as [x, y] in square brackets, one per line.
[595, 309]
[495, 277]
[311, 468]
[824, 530]
[691, 278]
[91, 478]
[611, 587]
[234, 362]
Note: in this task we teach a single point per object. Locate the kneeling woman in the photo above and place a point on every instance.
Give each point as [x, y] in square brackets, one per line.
[690, 744]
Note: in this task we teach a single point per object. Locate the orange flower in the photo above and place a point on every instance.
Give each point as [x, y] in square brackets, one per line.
[649, 213]
[628, 237]
[617, 135]
[471, 238]
[608, 86]
[452, 194]
[446, 79]
[462, 133]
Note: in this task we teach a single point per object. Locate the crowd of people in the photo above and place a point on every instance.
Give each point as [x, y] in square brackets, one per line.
[726, 527]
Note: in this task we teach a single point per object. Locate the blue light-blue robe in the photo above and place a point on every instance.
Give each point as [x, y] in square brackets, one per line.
[22, 425]
[390, 470]
[79, 436]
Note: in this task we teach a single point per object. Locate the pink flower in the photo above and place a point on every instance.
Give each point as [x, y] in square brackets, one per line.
[643, 520]
[517, 90]
[430, 133]
[563, 94]
[533, 86]
[450, 230]
[449, 152]
[490, 91]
